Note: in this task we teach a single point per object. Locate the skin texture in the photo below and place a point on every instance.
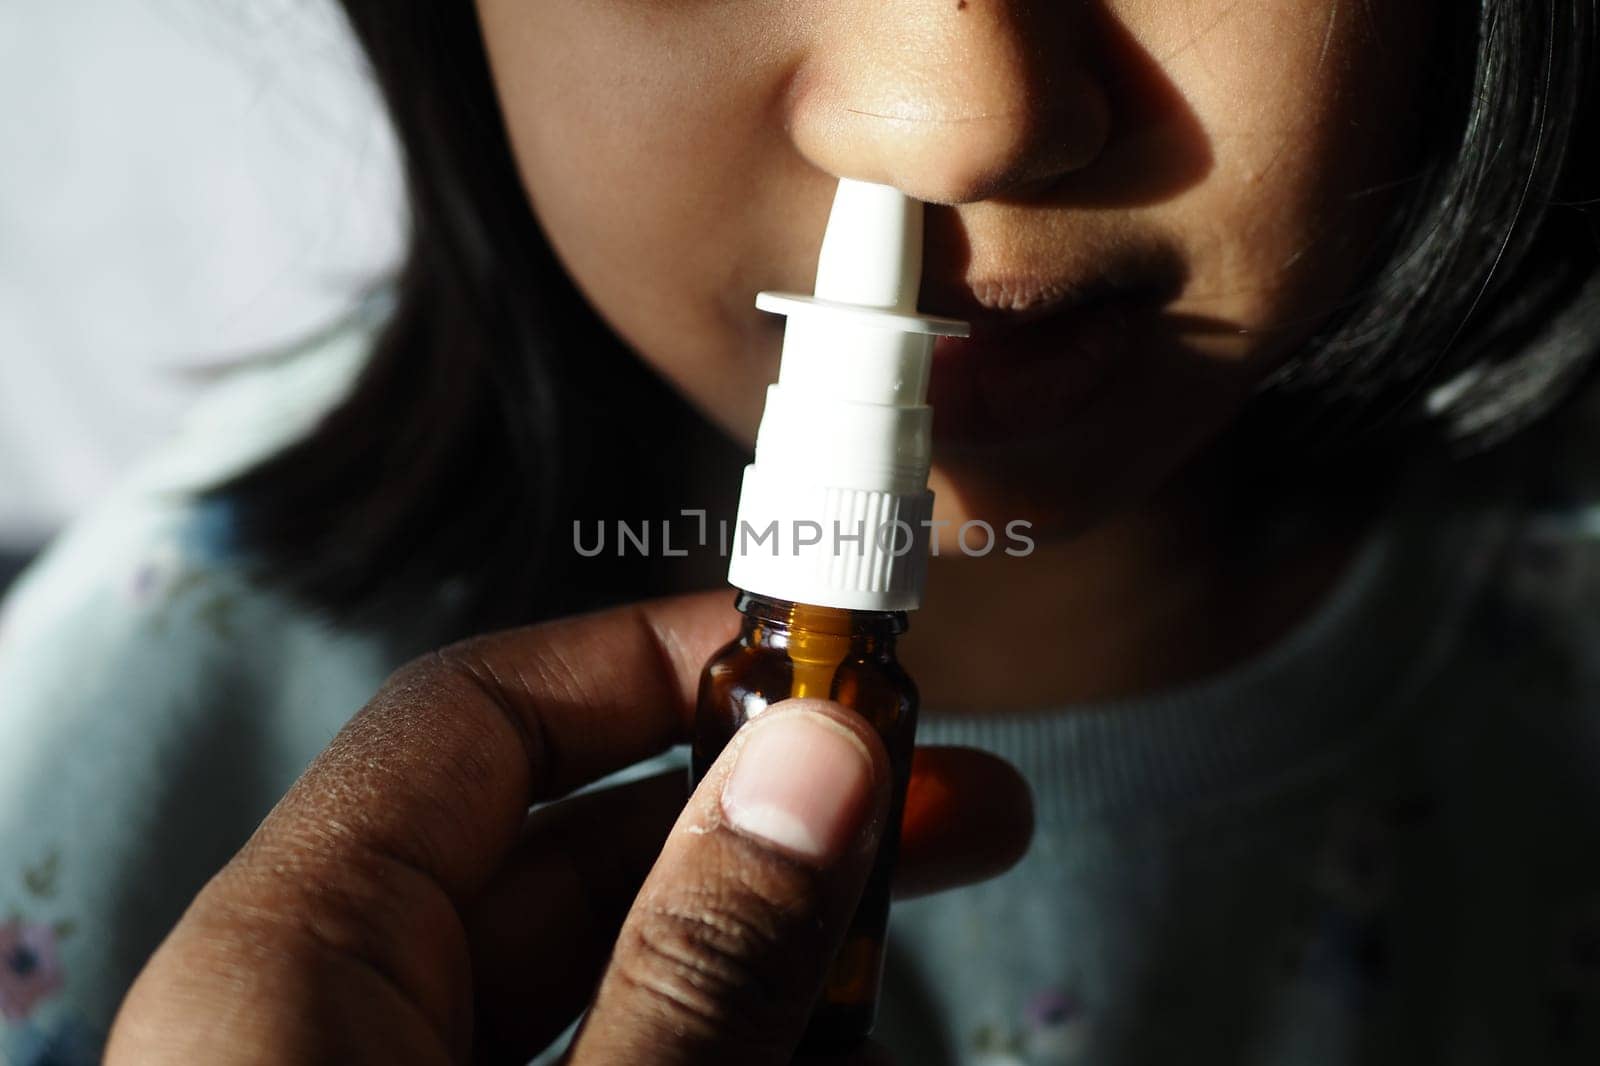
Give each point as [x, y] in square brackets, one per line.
[1223, 161]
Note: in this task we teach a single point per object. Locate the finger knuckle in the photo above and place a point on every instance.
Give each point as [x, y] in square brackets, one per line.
[370, 911]
[708, 963]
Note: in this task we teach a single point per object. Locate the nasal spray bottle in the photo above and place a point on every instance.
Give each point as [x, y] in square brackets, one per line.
[831, 545]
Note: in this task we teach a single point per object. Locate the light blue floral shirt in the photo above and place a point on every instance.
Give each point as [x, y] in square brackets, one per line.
[1378, 842]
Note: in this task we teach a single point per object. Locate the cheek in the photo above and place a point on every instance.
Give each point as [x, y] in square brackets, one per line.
[608, 163]
[1273, 237]
[1296, 98]
[635, 136]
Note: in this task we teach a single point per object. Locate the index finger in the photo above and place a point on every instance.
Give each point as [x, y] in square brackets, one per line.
[439, 769]
[338, 926]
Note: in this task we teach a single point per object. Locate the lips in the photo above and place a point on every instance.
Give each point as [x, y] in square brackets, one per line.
[1028, 373]
[995, 305]
[1050, 325]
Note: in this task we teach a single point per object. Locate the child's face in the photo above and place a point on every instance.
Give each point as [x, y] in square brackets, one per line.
[1213, 170]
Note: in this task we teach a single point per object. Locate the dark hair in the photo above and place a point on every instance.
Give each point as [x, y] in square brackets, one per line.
[1483, 311]
[474, 437]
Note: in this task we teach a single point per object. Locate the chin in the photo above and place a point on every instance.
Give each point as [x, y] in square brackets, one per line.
[1056, 499]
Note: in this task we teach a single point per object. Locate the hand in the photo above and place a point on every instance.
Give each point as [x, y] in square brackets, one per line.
[400, 904]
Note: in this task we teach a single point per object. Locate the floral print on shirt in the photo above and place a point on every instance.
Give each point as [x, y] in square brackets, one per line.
[32, 977]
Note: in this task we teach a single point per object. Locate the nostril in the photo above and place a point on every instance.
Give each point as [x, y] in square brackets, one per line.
[1030, 191]
[956, 112]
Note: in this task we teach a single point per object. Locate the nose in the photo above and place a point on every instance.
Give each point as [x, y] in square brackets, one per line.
[952, 101]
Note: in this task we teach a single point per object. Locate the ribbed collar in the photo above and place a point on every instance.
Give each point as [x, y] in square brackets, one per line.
[1363, 652]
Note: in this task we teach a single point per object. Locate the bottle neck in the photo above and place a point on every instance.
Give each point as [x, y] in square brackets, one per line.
[874, 627]
[815, 640]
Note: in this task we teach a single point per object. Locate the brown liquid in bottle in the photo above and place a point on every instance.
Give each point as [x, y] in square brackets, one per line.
[787, 649]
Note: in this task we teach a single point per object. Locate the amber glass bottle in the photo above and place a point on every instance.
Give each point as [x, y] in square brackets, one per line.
[788, 649]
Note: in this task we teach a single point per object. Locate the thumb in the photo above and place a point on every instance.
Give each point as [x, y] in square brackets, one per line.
[725, 949]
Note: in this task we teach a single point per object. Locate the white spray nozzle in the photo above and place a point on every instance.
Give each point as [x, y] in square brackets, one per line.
[872, 248]
[846, 437]
[860, 335]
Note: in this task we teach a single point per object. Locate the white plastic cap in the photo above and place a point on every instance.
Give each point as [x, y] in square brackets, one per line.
[834, 511]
